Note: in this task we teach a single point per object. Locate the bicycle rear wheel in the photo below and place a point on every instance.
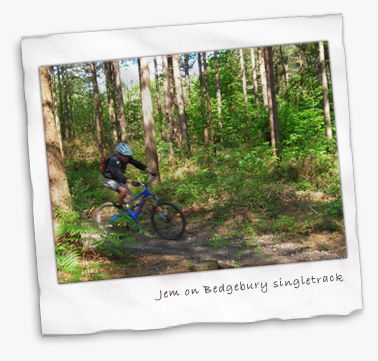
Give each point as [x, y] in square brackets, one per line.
[168, 220]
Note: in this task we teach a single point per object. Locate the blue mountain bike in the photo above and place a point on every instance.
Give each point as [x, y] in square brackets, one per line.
[167, 218]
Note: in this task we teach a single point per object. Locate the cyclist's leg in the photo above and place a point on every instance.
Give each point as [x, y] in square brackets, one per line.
[124, 194]
[123, 191]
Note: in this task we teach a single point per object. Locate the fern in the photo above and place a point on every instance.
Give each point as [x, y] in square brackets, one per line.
[68, 262]
[71, 229]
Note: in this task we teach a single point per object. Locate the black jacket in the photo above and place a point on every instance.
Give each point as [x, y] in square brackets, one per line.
[115, 167]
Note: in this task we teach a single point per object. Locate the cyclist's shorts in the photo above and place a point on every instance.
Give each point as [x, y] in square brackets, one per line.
[115, 185]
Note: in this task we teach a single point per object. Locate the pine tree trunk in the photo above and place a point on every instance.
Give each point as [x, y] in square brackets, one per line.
[122, 136]
[64, 76]
[176, 134]
[205, 129]
[187, 79]
[60, 92]
[180, 103]
[263, 78]
[255, 84]
[254, 76]
[56, 111]
[324, 83]
[217, 86]
[59, 191]
[160, 112]
[272, 106]
[167, 134]
[148, 115]
[111, 103]
[209, 110]
[98, 111]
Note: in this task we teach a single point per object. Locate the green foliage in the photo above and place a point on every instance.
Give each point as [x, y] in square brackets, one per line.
[67, 258]
[241, 172]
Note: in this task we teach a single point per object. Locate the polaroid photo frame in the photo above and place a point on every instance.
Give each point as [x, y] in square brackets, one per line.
[281, 291]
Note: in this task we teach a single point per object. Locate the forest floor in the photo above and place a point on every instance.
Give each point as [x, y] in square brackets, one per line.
[157, 256]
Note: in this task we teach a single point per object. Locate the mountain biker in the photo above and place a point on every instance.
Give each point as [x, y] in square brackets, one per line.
[116, 166]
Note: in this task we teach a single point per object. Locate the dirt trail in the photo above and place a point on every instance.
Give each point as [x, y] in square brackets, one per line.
[159, 256]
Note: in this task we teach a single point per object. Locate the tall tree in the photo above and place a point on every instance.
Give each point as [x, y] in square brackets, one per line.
[218, 90]
[180, 103]
[148, 115]
[324, 84]
[160, 112]
[64, 80]
[56, 110]
[109, 76]
[300, 64]
[176, 134]
[187, 79]
[120, 109]
[254, 76]
[204, 119]
[209, 110]
[100, 129]
[272, 106]
[255, 84]
[168, 106]
[263, 77]
[59, 191]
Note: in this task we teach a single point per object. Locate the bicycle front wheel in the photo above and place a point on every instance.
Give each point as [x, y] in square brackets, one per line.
[168, 220]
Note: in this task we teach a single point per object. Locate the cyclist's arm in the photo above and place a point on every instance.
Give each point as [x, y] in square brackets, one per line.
[148, 170]
[138, 164]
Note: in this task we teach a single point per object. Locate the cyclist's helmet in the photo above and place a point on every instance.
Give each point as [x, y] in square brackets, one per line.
[124, 149]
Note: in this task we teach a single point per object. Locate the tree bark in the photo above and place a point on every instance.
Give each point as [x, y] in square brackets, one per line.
[187, 79]
[176, 134]
[209, 110]
[64, 76]
[254, 77]
[148, 116]
[205, 129]
[160, 112]
[122, 136]
[272, 106]
[167, 107]
[109, 76]
[217, 86]
[55, 109]
[100, 129]
[180, 103]
[324, 83]
[59, 191]
[263, 78]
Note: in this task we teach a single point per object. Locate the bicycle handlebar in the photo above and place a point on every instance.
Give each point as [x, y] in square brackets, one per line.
[144, 184]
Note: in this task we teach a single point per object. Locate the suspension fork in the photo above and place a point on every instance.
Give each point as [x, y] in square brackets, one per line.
[155, 200]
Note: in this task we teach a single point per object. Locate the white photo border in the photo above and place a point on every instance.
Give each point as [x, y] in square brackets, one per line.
[130, 304]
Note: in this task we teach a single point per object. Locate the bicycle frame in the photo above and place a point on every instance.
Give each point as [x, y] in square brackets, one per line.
[134, 215]
[145, 194]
